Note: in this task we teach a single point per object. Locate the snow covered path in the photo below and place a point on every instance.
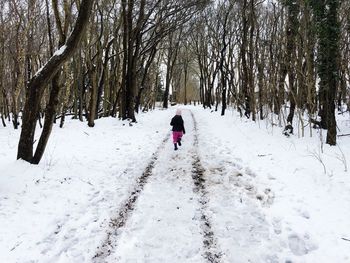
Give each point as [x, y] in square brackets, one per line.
[169, 222]
[184, 213]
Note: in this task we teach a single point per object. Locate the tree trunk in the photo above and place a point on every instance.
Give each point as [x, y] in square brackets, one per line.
[39, 81]
[292, 31]
[93, 97]
[326, 11]
[49, 119]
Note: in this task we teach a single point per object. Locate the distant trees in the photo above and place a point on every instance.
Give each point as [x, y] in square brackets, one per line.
[262, 57]
[114, 72]
[267, 56]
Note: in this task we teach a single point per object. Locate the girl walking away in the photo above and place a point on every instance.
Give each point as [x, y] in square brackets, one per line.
[178, 128]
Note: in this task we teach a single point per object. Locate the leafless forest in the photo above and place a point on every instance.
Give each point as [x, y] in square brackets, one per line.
[86, 59]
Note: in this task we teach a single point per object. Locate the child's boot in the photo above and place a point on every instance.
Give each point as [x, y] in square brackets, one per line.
[175, 146]
[179, 141]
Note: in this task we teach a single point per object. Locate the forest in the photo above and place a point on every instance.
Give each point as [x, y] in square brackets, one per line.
[86, 59]
[177, 131]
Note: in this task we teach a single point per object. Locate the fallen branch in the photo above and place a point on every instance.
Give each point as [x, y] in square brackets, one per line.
[263, 155]
[16, 245]
[346, 134]
[346, 239]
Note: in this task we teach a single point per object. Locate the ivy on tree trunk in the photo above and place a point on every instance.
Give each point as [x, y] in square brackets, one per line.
[328, 33]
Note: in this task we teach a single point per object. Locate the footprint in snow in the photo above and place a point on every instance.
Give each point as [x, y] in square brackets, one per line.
[300, 245]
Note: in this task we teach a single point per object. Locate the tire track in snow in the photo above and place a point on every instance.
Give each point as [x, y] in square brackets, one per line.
[127, 207]
[211, 250]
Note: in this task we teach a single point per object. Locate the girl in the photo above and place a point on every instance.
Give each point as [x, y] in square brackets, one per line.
[178, 128]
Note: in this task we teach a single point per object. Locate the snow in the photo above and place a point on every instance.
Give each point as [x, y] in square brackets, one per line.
[308, 208]
[60, 51]
[266, 198]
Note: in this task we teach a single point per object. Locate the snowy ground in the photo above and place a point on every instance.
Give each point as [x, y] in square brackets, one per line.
[235, 191]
